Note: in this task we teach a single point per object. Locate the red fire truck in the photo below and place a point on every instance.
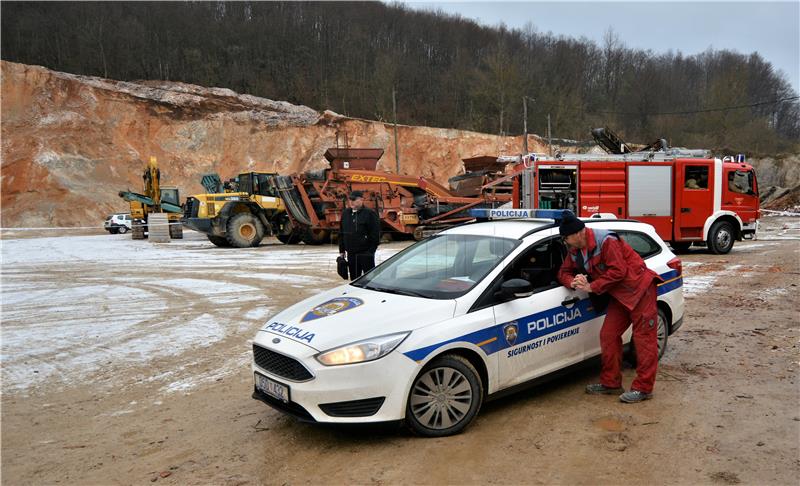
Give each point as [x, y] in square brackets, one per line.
[686, 195]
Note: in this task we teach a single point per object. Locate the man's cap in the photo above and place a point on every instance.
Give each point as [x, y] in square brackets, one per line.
[570, 224]
[355, 195]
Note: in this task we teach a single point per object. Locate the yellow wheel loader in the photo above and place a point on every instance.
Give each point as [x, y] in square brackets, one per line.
[237, 214]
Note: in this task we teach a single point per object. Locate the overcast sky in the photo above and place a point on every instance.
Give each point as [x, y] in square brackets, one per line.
[769, 28]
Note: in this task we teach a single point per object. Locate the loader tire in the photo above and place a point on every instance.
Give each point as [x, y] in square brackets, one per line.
[244, 230]
[220, 241]
[137, 230]
[176, 231]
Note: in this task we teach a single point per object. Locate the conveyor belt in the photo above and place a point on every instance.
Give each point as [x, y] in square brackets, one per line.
[291, 198]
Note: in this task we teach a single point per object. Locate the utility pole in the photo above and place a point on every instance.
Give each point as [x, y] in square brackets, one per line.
[525, 125]
[549, 135]
[396, 144]
[525, 121]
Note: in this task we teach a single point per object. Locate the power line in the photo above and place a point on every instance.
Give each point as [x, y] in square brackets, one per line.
[708, 110]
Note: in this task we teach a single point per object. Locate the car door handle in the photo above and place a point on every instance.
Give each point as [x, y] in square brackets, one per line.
[571, 301]
[686, 210]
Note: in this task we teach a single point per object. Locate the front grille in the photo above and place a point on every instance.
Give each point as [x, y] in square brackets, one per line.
[354, 408]
[280, 365]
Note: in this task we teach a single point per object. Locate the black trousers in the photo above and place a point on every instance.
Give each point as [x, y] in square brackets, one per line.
[360, 263]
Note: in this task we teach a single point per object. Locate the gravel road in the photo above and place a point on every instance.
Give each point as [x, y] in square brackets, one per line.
[128, 363]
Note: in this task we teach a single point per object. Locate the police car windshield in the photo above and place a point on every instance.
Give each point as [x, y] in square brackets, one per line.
[444, 266]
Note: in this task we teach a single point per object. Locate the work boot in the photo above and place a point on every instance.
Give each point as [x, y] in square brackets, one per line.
[600, 389]
[635, 396]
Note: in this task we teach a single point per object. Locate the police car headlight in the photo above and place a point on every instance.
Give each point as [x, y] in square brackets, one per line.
[361, 351]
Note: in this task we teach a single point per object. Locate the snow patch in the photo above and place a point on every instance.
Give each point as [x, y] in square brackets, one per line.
[696, 284]
[191, 381]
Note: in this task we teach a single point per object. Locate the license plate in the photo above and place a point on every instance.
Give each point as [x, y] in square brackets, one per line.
[272, 388]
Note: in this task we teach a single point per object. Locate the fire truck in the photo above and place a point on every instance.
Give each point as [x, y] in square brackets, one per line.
[688, 196]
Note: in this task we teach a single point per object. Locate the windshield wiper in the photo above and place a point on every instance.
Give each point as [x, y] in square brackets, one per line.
[410, 293]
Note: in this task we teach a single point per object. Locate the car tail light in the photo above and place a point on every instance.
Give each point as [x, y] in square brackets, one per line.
[676, 265]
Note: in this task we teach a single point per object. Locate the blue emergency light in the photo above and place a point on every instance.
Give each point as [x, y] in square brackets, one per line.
[485, 213]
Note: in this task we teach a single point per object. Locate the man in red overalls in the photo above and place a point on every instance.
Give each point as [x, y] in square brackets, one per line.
[599, 262]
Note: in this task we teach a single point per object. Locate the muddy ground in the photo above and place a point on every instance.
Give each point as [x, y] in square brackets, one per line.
[127, 363]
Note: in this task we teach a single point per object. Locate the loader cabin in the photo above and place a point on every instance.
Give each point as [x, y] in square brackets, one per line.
[257, 183]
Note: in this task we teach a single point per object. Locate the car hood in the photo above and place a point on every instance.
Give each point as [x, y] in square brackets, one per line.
[346, 314]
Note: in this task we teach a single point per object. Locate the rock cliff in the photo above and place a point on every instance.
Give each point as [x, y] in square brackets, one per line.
[70, 143]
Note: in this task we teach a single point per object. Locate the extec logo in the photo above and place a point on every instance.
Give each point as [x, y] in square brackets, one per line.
[366, 178]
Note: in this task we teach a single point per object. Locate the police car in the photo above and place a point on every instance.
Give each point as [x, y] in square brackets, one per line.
[449, 322]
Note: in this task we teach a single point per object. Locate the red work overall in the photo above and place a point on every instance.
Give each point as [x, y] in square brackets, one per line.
[618, 270]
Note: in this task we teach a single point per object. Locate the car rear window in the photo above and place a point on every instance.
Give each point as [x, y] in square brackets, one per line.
[641, 243]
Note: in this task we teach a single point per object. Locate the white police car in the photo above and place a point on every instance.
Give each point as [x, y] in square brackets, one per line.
[434, 331]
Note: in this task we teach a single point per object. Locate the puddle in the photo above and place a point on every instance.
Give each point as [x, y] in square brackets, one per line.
[609, 424]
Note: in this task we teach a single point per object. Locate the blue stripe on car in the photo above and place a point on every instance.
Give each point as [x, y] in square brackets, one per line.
[493, 339]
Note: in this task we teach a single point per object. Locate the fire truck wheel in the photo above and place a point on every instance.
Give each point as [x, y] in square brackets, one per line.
[244, 230]
[720, 238]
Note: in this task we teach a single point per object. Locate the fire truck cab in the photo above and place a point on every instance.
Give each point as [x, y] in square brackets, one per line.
[686, 195]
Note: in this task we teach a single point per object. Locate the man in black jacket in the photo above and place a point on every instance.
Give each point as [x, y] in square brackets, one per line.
[359, 235]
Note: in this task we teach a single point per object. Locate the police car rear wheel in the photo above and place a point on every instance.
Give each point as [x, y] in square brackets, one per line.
[445, 397]
[662, 333]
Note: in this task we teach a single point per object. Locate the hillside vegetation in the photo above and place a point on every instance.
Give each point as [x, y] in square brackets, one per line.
[447, 71]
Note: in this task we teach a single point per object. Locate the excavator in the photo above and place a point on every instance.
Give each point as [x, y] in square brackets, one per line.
[155, 199]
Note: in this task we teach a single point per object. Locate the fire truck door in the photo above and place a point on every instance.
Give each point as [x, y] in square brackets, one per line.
[650, 195]
[694, 183]
[740, 194]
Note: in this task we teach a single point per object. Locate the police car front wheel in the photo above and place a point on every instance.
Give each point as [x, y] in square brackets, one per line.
[445, 397]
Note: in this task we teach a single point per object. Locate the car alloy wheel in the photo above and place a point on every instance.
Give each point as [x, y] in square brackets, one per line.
[445, 397]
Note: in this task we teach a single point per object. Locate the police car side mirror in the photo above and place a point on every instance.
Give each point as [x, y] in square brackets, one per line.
[516, 288]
